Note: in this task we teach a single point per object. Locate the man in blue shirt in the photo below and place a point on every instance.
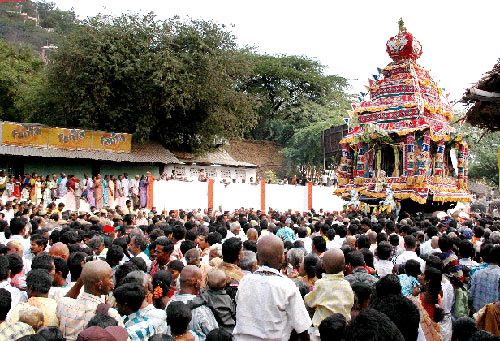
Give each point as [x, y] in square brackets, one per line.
[484, 284]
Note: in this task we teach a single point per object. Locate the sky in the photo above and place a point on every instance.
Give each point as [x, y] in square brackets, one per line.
[460, 39]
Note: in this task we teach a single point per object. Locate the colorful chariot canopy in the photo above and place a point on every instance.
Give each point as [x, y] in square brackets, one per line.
[404, 98]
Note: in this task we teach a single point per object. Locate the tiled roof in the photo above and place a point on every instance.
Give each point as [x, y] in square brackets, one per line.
[147, 153]
[219, 157]
[477, 187]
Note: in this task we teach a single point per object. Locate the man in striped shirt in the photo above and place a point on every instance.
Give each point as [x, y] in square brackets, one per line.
[129, 298]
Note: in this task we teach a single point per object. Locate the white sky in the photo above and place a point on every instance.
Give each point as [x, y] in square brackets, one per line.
[460, 39]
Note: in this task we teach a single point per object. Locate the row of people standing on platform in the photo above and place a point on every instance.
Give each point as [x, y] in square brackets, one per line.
[98, 191]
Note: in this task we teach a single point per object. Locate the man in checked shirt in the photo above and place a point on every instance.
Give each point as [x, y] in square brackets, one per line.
[74, 314]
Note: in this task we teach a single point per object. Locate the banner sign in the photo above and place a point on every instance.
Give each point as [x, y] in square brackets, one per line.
[33, 135]
[111, 142]
[26, 134]
[62, 138]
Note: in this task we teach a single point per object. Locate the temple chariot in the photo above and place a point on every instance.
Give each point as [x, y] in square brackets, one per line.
[402, 147]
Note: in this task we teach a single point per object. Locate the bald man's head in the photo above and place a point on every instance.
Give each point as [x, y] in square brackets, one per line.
[350, 240]
[333, 261]
[372, 236]
[97, 277]
[270, 251]
[190, 279]
[216, 279]
[435, 242]
[252, 234]
[59, 250]
[192, 256]
[15, 247]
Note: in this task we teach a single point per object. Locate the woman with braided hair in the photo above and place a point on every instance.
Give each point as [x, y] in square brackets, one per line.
[161, 286]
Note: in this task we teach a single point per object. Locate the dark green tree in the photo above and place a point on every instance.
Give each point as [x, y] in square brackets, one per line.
[297, 102]
[483, 158]
[170, 81]
[20, 69]
[286, 87]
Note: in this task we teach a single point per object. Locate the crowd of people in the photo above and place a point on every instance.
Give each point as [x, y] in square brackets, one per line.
[113, 274]
[98, 191]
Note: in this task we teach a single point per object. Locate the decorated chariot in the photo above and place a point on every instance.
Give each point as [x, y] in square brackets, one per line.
[401, 144]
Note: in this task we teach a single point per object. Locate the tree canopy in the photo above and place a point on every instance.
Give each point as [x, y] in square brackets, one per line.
[287, 87]
[171, 81]
[20, 69]
[483, 154]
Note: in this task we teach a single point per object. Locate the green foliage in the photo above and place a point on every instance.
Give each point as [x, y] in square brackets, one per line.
[19, 70]
[296, 102]
[483, 154]
[304, 148]
[285, 86]
[184, 84]
[270, 177]
[169, 81]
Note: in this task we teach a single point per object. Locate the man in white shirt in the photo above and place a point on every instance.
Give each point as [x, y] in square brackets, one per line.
[18, 230]
[8, 212]
[269, 305]
[235, 231]
[302, 236]
[383, 265]
[126, 185]
[17, 296]
[137, 246]
[409, 253]
[426, 247]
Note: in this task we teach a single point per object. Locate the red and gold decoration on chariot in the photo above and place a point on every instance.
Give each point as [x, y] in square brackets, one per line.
[404, 139]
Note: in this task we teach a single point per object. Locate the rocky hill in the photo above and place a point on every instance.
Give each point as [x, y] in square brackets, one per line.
[34, 23]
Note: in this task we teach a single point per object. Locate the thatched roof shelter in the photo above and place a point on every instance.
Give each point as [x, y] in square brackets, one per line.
[484, 97]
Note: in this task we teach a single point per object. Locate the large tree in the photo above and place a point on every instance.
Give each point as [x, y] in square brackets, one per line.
[171, 81]
[287, 87]
[298, 100]
[20, 69]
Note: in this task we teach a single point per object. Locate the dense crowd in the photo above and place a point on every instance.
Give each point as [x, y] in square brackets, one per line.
[245, 275]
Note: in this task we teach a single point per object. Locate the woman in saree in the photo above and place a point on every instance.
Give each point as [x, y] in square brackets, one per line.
[143, 191]
[98, 192]
[428, 302]
[105, 195]
[91, 192]
[38, 190]
[47, 193]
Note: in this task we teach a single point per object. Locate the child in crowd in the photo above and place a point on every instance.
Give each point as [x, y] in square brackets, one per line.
[461, 304]
[332, 293]
[409, 277]
[175, 267]
[217, 300]
[178, 318]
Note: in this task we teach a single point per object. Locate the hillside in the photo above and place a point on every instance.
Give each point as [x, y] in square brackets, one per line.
[264, 154]
[34, 23]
